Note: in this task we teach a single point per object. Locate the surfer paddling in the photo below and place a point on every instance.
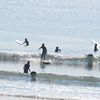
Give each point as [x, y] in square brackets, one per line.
[43, 52]
[95, 48]
[26, 41]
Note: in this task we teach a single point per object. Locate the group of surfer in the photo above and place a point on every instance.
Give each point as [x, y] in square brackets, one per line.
[26, 67]
[56, 50]
[44, 52]
[43, 48]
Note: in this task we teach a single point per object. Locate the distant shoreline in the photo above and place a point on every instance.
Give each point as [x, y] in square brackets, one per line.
[28, 97]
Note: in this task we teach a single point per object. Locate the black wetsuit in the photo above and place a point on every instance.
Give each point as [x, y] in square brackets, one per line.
[26, 68]
[57, 50]
[27, 43]
[95, 48]
[43, 52]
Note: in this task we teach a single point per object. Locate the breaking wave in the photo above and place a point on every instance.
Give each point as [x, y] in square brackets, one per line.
[53, 78]
[6, 55]
[56, 58]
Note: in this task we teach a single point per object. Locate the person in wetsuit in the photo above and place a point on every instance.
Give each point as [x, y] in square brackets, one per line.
[26, 41]
[43, 52]
[27, 67]
[57, 49]
[95, 48]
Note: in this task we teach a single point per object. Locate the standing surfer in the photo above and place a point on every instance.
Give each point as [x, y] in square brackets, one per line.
[95, 48]
[27, 67]
[43, 52]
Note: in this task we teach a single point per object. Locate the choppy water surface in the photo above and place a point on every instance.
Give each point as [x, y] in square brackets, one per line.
[69, 24]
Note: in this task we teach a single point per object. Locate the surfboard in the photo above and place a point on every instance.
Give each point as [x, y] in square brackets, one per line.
[33, 76]
[19, 42]
[45, 62]
[95, 42]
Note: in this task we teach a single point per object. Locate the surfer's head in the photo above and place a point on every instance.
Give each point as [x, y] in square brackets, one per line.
[95, 44]
[43, 44]
[28, 62]
[25, 39]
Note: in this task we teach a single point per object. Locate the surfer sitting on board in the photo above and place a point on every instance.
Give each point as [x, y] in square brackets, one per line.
[26, 41]
[57, 49]
[95, 48]
[27, 67]
[43, 52]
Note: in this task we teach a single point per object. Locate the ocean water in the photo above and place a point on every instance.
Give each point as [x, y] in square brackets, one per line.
[68, 24]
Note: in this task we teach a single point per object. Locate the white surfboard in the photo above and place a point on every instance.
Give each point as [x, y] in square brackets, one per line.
[19, 42]
[95, 42]
[45, 61]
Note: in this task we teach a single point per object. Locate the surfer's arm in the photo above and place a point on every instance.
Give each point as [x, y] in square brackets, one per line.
[59, 50]
[29, 70]
[39, 48]
[23, 42]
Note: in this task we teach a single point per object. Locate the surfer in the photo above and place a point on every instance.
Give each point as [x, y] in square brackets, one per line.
[43, 52]
[26, 41]
[95, 48]
[57, 49]
[27, 67]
